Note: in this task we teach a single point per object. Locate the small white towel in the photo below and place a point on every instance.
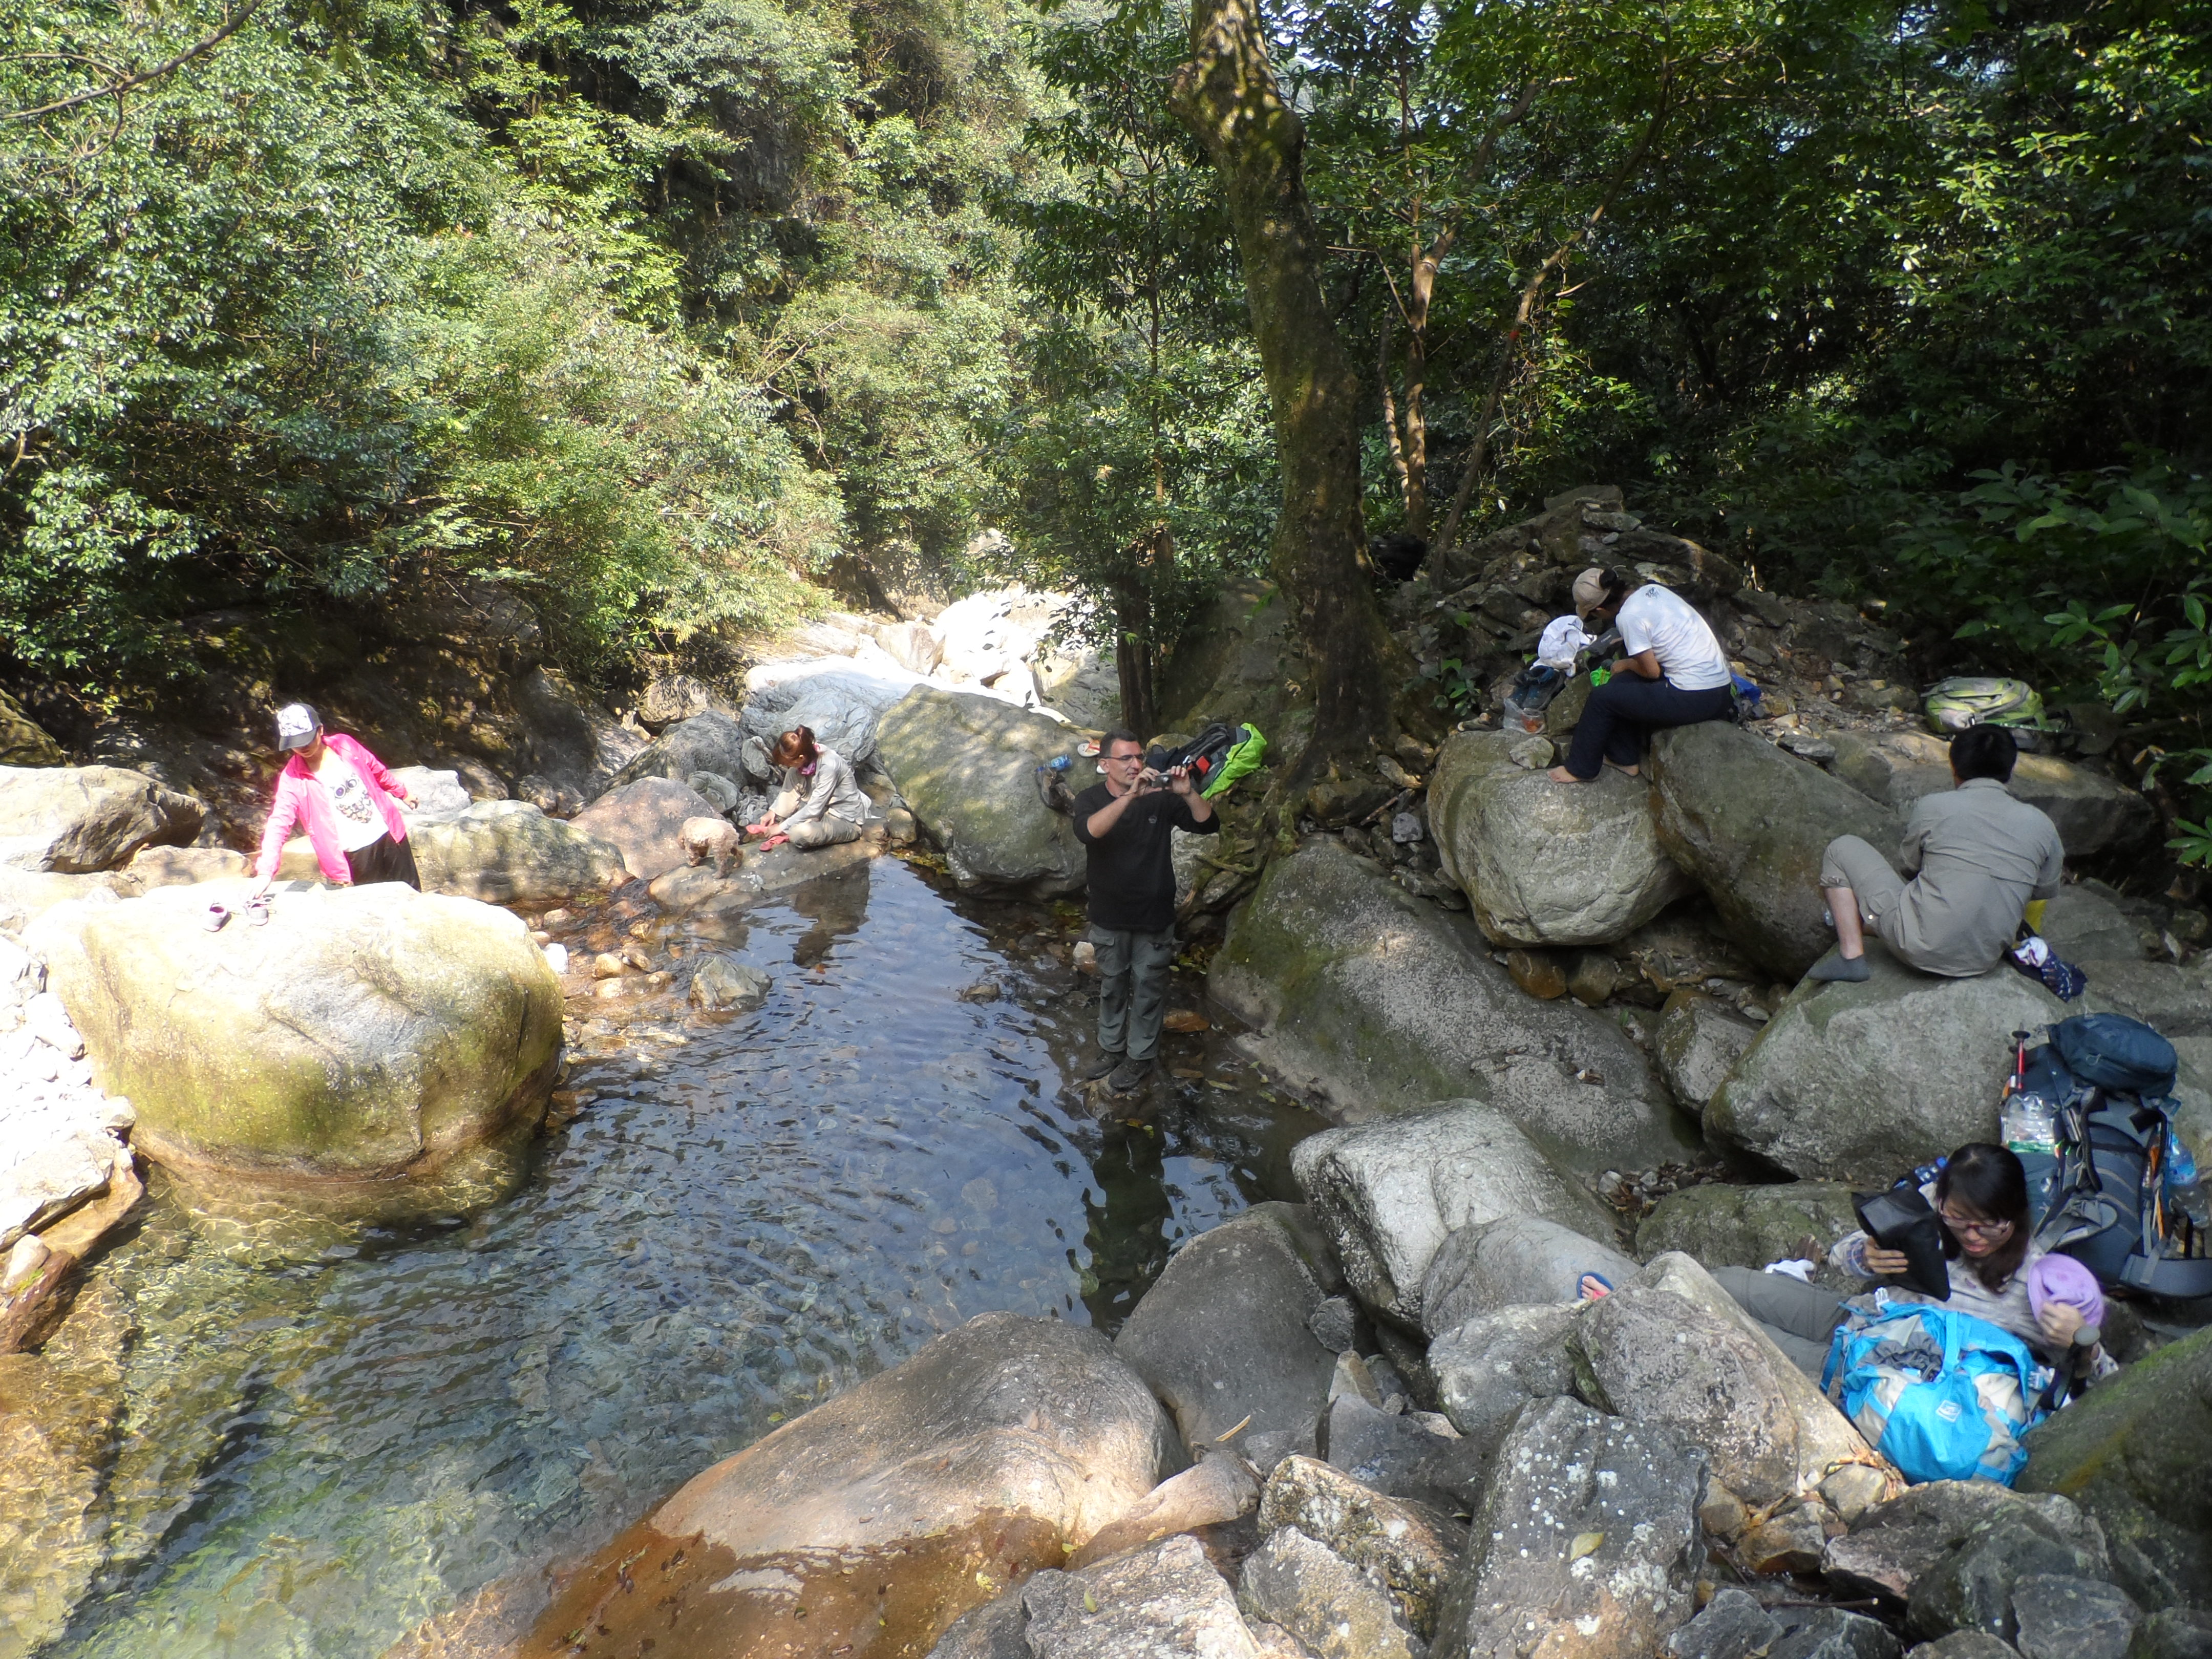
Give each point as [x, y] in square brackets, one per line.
[1562, 638]
[1795, 1267]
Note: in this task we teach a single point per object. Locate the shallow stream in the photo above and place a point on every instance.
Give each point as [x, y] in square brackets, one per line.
[331, 1432]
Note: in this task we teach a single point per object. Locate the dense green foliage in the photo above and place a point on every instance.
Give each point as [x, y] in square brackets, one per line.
[655, 307]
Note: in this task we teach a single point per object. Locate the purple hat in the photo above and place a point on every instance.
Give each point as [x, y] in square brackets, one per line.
[2062, 1279]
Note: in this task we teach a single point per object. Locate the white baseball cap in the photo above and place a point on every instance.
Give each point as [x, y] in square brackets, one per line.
[296, 725]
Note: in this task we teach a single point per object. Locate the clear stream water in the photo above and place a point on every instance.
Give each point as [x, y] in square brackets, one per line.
[332, 1432]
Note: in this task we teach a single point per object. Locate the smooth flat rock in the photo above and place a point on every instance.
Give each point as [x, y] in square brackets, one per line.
[1586, 1546]
[1750, 823]
[2136, 1452]
[1389, 1193]
[1514, 1260]
[1544, 863]
[1862, 1082]
[891, 1509]
[2093, 813]
[966, 766]
[1698, 1043]
[507, 852]
[72, 820]
[1388, 1003]
[363, 1033]
[1223, 1335]
[644, 820]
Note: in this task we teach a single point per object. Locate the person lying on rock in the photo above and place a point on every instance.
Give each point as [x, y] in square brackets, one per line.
[1673, 673]
[820, 805]
[1981, 861]
[1126, 825]
[344, 797]
[1996, 1272]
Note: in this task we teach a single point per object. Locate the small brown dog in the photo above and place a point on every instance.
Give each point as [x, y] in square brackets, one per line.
[715, 838]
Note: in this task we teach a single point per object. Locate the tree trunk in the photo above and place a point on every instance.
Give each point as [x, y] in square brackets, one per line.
[1227, 96]
[1132, 662]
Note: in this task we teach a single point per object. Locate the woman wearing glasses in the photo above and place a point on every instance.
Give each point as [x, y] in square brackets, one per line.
[1996, 1272]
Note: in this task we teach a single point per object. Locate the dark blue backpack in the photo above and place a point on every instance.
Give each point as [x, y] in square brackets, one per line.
[2101, 1198]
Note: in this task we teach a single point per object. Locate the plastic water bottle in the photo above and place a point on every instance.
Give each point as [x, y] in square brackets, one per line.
[2184, 1189]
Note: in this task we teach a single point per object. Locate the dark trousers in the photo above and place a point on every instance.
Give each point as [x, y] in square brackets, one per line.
[1627, 709]
[383, 859]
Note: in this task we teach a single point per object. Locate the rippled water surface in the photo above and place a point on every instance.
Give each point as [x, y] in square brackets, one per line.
[334, 1431]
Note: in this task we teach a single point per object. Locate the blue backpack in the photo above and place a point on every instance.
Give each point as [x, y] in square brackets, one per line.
[1940, 1393]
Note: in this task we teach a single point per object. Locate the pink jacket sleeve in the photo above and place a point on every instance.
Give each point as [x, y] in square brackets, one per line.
[283, 813]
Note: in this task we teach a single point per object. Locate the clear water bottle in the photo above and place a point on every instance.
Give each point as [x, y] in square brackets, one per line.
[2185, 1190]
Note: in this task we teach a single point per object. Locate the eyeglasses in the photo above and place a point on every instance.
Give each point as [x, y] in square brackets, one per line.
[1125, 760]
[1966, 1229]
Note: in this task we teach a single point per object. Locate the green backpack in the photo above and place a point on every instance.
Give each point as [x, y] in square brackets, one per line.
[1955, 704]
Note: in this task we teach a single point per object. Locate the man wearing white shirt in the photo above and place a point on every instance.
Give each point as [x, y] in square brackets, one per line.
[1673, 673]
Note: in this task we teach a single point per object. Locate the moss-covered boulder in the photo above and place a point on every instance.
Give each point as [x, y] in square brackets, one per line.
[1390, 1004]
[2136, 1453]
[2093, 813]
[1726, 1226]
[1749, 822]
[364, 1033]
[1546, 863]
[966, 765]
[23, 741]
[1862, 1082]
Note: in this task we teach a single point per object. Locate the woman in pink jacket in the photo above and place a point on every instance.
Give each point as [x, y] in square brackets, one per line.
[345, 799]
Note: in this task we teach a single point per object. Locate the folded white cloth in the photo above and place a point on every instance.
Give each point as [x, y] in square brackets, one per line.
[1563, 636]
[1795, 1267]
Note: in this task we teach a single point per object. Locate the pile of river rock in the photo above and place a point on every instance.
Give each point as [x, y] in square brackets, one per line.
[1378, 1422]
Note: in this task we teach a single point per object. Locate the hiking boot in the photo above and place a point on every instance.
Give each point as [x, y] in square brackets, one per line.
[1129, 1075]
[1110, 1060]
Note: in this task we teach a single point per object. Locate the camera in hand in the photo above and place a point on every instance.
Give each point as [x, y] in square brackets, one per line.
[1901, 1220]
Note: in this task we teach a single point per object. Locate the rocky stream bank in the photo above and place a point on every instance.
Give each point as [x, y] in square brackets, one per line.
[1554, 1030]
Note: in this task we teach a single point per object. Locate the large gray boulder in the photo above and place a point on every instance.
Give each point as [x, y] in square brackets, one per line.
[2136, 1454]
[1389, 1003]
[1860, 1082]
[1391, 1192]
[72, 820]
[840, 707]
[1586, 1546]
[1163, 1599]
[507, 851]
[1829, 1453]
[1894, 1546]
[2093, 813]
[1749, 822]
[995, 1450]
[711, 742]
[966, 765]
[1516, 1260]
[644, 819]
[1223, 1337]
[364, 1033]
[1546, 863]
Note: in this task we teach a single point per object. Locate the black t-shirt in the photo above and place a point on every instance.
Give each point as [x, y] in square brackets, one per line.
[1132, 868]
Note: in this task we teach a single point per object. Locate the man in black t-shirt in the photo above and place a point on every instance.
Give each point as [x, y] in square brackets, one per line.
[1127, 826]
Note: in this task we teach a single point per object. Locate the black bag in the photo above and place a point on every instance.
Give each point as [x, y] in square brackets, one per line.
[1203, 754]
[1901, 1220]
[2101, 1198]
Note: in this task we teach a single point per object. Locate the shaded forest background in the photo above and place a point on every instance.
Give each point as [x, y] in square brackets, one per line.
[679, 313]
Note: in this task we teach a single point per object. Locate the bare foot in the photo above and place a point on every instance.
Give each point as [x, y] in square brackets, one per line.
[1560, 774]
